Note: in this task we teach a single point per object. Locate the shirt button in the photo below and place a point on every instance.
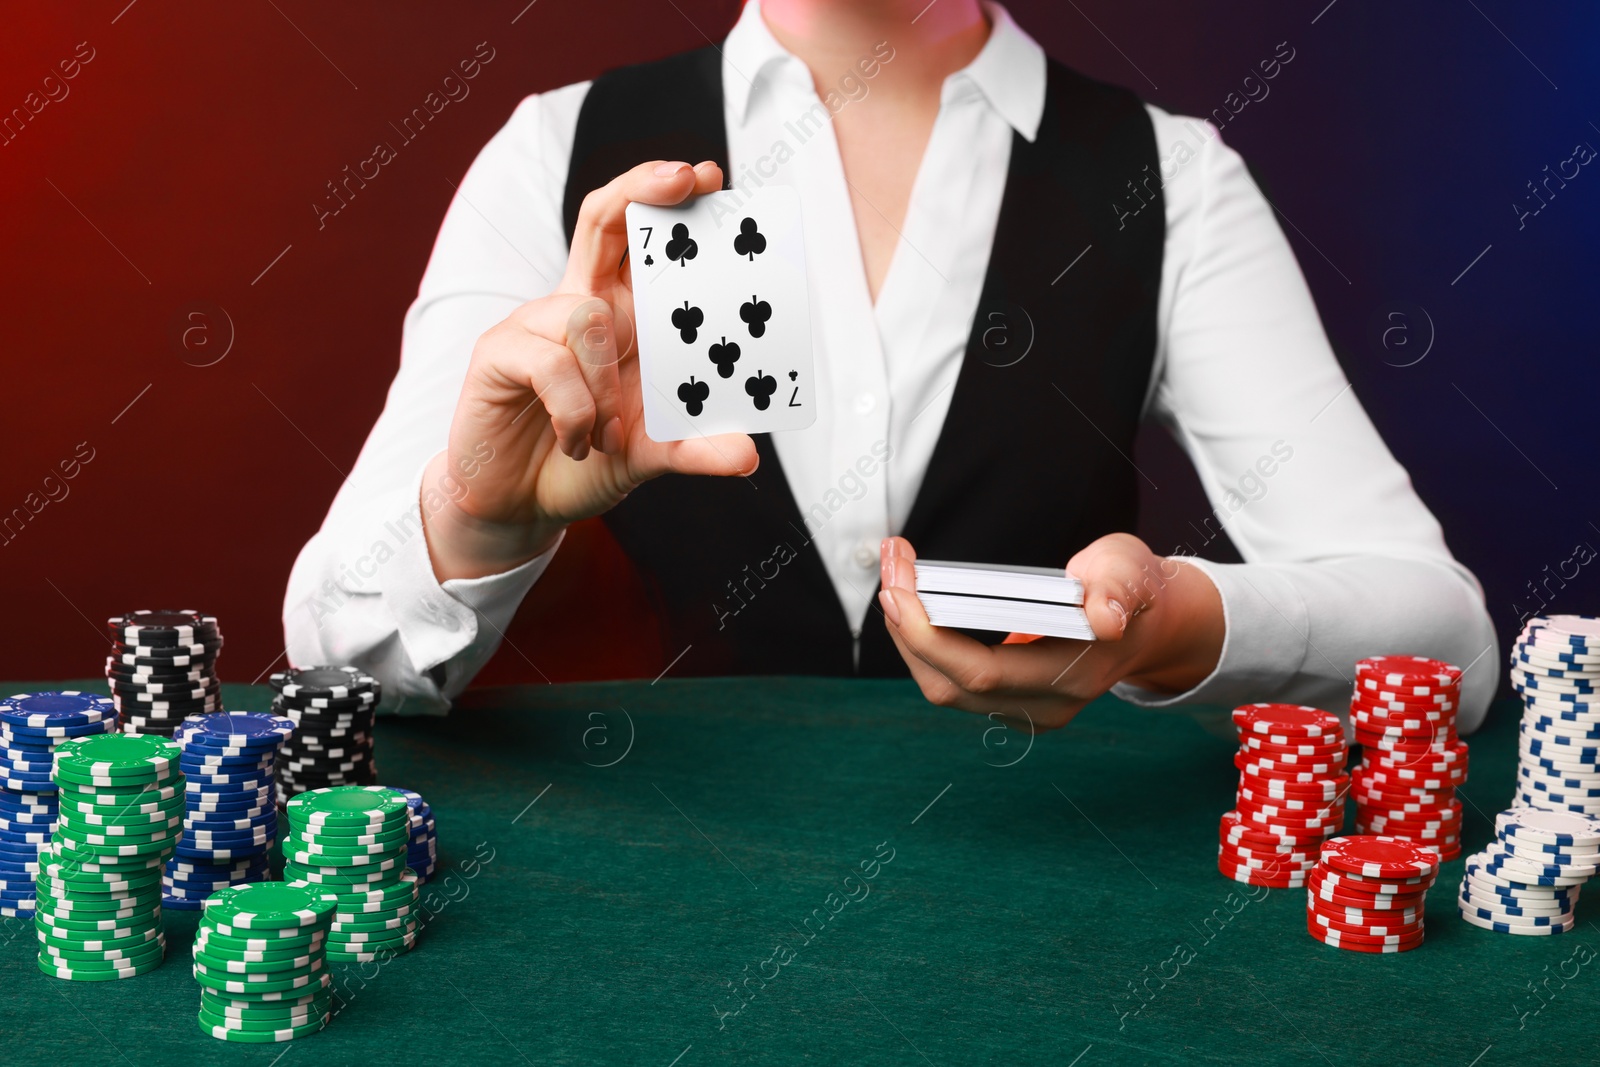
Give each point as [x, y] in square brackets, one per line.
[865, 403]
[866, 555]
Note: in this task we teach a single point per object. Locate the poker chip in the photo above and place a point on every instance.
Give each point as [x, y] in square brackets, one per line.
[332, 709]
[162, 668]
[260, 959]
[1367, 893]
[353, 845]
[1290, 797]
[229, 822]
[97, 905]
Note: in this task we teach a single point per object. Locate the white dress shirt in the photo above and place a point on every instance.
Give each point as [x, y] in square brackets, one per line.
[1343, 559]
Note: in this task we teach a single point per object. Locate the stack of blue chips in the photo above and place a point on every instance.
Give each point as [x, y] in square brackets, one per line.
[230, 812]
[31, 725]
[422, 854]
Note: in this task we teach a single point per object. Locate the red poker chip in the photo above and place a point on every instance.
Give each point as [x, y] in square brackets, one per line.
[1355, 883]
[1401, 723]
[1251, 876]
[1308, 747]
[1410, 696]
[1371, 856]
[1360, 943]
[1271, 866]
[1300, 776]
[1398, 800]
[1287, 804]
[1245, 851]
[1409, 670]
[1327, 789]
[1434, 760]
[1407, 827]
[1445, 853]
[1314, 768]
[1287, 720]
[1327, 938]
[1342, 894]
[1398, 928]
[1399, 729]
[1323, 824]
[1365, 914]
[1275, 757]
[1408, 778]
[1300, 842]
[1318, 813]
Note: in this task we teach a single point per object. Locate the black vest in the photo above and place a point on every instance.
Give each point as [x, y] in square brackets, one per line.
[1033, 461]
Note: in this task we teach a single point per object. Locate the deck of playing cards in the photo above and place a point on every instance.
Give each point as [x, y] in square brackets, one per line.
[724, 325]
[983, 596]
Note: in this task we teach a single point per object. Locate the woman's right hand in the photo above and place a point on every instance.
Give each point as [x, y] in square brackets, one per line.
[549, 427]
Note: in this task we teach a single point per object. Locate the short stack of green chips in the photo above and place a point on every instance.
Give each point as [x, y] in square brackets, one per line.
[99, 883]
[349, 842]
[258, 957]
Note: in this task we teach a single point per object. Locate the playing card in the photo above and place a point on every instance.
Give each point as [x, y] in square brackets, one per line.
[724, 325]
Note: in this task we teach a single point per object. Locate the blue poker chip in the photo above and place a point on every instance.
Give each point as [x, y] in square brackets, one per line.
[182, 904]
[213, 854]
[195, 871]
[255, 778]
[228, 765]
[66, 708]
[240, 728]
[235, 806]
[268, 818]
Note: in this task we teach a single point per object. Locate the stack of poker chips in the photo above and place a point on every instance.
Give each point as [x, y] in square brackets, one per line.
[1555, 666]
[231, 817]
[258, 956]
[99, 907]
[163, 668]
[350, 843]
[1291, 793]
[1527, 880]
[1367, 893]
[332, 709]
[1404, 713]
[31, 726]
[422, 852]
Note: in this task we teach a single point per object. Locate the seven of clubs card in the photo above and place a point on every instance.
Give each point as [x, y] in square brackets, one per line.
[719, 290]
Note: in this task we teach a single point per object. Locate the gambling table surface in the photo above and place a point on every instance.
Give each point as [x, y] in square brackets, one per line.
[783, 870]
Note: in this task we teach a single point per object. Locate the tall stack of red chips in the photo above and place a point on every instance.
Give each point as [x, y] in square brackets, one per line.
[1292, 785]
[1412, 761]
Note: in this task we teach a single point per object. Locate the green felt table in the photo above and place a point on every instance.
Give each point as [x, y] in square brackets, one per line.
[823, 871]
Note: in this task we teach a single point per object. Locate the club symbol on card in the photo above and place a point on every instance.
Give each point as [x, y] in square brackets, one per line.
[682, 247]
[687, 321]
[649, 260]
[754, 313]
[761, 387]
[794, 375]
[693, 394]
[750, 243]
[725, 356]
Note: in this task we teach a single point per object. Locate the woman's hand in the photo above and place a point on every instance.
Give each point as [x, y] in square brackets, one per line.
[1157, 622]
[549, 427]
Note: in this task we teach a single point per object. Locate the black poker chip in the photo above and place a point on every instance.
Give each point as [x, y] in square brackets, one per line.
[163, 628]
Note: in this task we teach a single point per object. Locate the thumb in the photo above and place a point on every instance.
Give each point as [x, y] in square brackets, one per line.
[1112, 571]
[722, 455]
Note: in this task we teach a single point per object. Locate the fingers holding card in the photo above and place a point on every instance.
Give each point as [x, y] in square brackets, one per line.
[724, 322]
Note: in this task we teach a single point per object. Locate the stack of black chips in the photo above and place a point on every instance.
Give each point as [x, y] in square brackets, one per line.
[333, 710]
[163, 668]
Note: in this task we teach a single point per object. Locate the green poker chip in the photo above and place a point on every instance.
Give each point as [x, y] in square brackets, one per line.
[277, 1021]
[93, 973]
[267, 906]
[221, 964]
[262, 1006]
[348, 806]
[262, 1037]
[124, 756]
[234, 984]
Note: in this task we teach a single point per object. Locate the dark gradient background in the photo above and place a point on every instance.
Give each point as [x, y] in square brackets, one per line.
[182, 165]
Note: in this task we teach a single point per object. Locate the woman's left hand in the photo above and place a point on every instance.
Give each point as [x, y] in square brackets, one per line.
[1157, 621]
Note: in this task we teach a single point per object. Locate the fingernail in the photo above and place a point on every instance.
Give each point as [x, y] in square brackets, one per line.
[888, 572]
[890, 610]
[611, 437]
[667, 170]
[1121, 612]
[581, 452]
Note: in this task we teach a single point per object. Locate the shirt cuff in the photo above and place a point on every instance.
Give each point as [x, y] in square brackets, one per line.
[459, 624]
[1263, 646]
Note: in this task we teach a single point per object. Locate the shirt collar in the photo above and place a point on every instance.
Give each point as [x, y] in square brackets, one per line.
[1009, 71]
